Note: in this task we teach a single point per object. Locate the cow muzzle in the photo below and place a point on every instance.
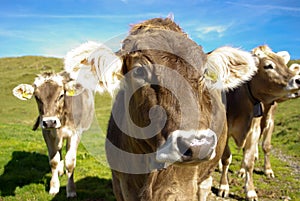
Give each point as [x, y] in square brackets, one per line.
[188, 146]
[50, 123]
[294, 83]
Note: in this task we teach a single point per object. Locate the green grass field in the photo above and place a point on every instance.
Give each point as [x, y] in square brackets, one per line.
[24, 169]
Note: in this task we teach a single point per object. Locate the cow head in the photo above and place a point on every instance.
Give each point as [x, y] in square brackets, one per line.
[50, 91]
[273, 79]
[170, 98]
[296, 69]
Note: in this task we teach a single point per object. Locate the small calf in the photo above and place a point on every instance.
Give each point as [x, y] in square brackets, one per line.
[66, 109]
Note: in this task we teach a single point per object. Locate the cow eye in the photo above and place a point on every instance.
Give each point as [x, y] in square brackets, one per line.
[140, 72]
[269, 66]
[61, 96]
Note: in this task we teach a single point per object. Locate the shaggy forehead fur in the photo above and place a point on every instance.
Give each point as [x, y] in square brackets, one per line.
[156, 23]
[265, 51]
[283, 73]
[48, 76]
[58, 78]
[166, 41]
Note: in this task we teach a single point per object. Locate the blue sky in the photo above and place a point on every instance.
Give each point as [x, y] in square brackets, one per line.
[53, 27]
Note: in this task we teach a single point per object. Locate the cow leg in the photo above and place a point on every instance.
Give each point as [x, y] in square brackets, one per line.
[249, 158]
[70, 159]
[266, 143]
[60, 165]
[54, 183]
[242, 171]
[54, 160]
[220, 166]
[268, 127]
[226, 160]
[117, 186]
[266, 146]
[205, 189]
[252, 144]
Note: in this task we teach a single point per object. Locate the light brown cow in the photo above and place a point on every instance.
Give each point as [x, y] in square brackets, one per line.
[244, 111]
[267, 126]
[66, 109]
[168, 125]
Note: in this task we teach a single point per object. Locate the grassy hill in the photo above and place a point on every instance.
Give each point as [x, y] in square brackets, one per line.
[24, 169]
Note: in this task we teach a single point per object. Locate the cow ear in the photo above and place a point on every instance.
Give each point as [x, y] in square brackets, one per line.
[285, 55]
[36, 124]
[97, 62]
[295, 68]
[227, 68]
[73, 88]
[23, 91]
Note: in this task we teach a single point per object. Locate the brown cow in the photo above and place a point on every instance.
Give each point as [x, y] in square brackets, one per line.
[244, 111]
[168, 126]
[267, 125]
[66, 109]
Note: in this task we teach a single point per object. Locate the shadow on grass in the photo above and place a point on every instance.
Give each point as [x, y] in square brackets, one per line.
[89, 189]
[258, 171]
[231, 196]
[23, 169]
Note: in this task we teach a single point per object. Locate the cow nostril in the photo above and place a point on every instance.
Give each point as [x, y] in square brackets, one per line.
[297, 81]
[188, 152]
[54, 122]
[184, 147]
[45, 124]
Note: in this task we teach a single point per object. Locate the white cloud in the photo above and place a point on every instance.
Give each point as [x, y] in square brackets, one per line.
[207, 31]
[218, 29]
[266, 6]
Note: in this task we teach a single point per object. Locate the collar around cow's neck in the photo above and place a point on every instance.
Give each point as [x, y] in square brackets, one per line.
[257, 109]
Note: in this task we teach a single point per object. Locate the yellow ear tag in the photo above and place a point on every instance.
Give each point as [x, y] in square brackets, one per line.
[211, 76]
[26, 95]
[71, 92]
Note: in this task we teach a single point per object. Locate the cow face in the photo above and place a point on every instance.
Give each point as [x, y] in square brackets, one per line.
[273, 79]
[170, 105]
[50, 91]
[162, 94]
[296, 69]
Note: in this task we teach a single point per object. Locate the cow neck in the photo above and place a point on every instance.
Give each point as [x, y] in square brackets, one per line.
[257, 108]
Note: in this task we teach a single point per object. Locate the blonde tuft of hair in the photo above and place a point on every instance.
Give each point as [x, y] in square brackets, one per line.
[95, 66]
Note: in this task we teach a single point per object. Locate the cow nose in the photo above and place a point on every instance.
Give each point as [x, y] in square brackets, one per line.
[188, 146]
[50, 122]
[197, 148]
[296, 81]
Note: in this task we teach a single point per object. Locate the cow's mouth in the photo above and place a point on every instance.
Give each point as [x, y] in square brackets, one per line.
[188, 146]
